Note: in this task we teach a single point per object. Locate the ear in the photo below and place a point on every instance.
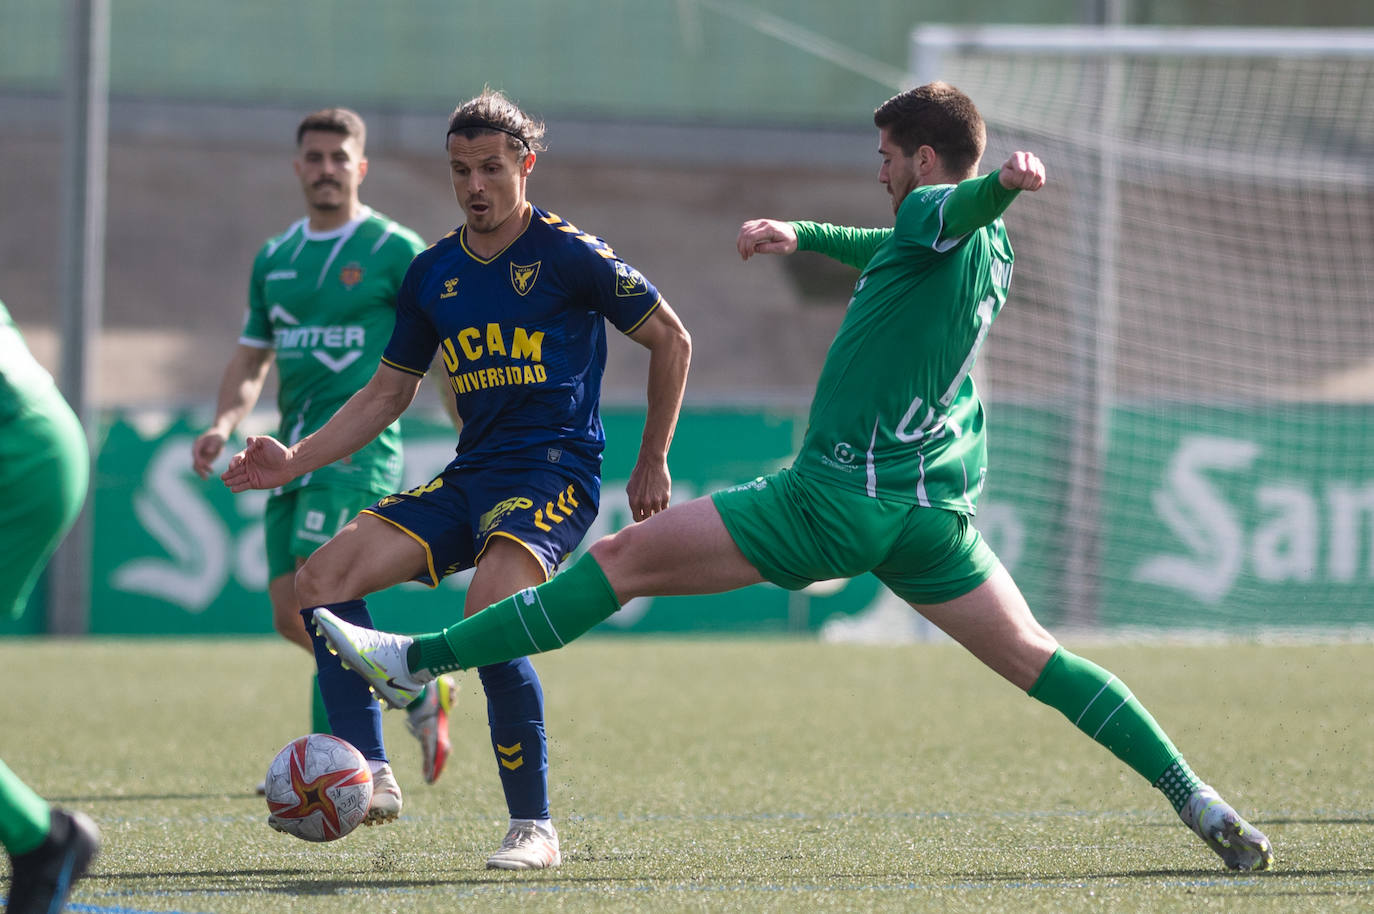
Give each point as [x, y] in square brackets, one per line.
[927, 160]
[362, 169]
[527, 164]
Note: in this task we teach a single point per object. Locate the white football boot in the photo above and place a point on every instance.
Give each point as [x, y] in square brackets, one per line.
[378, 657]
[527, 846]
[386, 797]
[1240, 845]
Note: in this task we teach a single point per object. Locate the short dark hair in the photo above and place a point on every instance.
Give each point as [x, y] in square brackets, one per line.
[939, 116]
[343, 121]
[493, 112]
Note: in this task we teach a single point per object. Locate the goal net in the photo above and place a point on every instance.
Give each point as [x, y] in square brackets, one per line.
[1181, 388]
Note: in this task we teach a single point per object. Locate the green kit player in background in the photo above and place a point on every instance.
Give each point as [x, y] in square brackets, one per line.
[322, 301]
[887, 479]
[44, 471]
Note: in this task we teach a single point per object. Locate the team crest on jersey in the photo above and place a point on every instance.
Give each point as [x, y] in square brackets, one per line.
[522, 277]
[351, 275]
[500, 510]
[628, 281]
[450, 288]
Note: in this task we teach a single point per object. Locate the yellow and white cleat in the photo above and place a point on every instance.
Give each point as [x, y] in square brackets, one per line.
[1239, 844]
[378, 657]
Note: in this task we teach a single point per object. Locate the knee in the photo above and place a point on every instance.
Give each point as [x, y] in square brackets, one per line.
[312, 583]
[615, 551]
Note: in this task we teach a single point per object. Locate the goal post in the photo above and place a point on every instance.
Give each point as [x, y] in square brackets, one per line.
[1181, 388]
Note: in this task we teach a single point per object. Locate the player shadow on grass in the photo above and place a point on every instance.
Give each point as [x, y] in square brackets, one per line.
[1202, 874]
[92, 798]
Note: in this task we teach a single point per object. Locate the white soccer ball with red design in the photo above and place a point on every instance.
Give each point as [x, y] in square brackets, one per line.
[318, 788]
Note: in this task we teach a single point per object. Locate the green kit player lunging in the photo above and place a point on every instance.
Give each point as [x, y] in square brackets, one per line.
[887, 480]
[322, 302]
[44, 471]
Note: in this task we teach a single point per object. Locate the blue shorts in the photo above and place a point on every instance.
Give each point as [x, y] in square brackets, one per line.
[455, 515]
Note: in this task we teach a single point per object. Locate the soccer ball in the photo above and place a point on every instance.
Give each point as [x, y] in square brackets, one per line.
[318, 788]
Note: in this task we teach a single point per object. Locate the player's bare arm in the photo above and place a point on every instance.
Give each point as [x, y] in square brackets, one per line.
[766, 236]
[1022, 171]
[670, 354]
[239, 390]
[266, 463]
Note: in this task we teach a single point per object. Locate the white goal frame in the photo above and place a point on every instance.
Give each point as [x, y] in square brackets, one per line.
[930, 50]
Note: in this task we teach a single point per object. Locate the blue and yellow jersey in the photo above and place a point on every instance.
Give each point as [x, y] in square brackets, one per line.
[523, 339]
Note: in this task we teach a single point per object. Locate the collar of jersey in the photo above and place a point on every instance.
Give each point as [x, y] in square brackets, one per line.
[347, 228]
[463, 238]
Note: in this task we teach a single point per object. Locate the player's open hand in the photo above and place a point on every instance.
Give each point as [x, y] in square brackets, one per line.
[205, 450]
[766, 236]
[262, 464]
[649, 490]
[1023, 171]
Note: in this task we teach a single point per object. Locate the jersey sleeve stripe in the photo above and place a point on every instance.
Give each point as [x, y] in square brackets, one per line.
[647, 314]
[418, 373]
[255, 343]
[390, 228]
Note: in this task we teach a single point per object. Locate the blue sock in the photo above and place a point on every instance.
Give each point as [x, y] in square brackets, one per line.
[354, 715]
[515, 711]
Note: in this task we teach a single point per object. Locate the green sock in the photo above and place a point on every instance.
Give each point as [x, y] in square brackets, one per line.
[1178, 783]
[319, 717]
[537, 619]
[24, 815]
[1101, 706]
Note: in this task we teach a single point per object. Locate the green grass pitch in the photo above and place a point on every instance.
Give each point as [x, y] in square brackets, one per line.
[721, 776]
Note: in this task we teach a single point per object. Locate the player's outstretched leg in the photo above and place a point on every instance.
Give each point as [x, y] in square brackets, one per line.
[1240, 845]
[43, 878]
[427, 721]
[1105, 709]
[378, 657]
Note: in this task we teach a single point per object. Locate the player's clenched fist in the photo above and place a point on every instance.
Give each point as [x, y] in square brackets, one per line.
[262, 464]
[1023, 171]
[766, 236]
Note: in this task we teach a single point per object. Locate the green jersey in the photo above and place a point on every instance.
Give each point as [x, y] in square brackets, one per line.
[896, 414]
[22, 379]
[326, 302]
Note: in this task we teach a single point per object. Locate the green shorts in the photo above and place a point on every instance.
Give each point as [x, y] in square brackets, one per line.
[796, 531]
[44, 472]
[298, 522]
